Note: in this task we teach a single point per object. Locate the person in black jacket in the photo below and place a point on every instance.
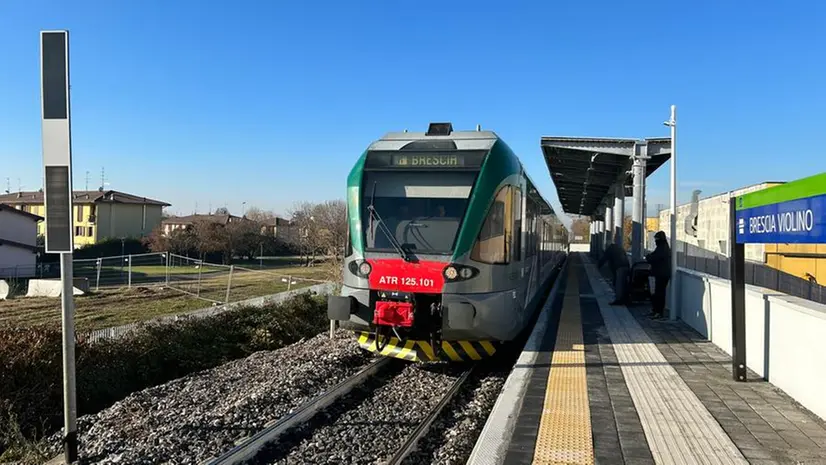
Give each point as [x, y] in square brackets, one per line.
[618, 261]
[660, 260]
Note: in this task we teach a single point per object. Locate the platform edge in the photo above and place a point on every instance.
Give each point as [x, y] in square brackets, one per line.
[492, 444]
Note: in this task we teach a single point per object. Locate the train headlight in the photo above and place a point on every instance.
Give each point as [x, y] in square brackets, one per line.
[365, 269]
[455, 272]
[451, 273]
[360, 268]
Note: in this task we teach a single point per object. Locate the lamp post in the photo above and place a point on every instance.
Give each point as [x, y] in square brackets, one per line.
[673, 124]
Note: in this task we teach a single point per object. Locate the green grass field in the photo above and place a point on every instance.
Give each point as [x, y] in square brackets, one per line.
[112, 307]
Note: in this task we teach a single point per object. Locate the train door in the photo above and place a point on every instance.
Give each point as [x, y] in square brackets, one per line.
[519, 268]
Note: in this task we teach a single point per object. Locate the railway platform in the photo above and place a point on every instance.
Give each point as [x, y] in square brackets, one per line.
[602, 384]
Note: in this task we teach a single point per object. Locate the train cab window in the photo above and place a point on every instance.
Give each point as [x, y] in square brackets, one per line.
[493, 243]
[348, 244]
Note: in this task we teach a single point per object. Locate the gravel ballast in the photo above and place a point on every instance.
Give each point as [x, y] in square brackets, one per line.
[191, 419]
[454, 434]
[371, 424]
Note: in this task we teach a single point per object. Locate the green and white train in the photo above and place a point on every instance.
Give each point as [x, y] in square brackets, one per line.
[450, 246]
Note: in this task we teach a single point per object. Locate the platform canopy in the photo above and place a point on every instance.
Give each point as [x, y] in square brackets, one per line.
[586, 170]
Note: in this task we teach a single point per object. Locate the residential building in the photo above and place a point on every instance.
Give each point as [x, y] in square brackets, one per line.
[183, 222]
[98, 215]
[807, 261]
[279, 227]
[18, 242]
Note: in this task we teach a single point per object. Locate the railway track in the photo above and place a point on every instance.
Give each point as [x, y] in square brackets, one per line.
[346, 421]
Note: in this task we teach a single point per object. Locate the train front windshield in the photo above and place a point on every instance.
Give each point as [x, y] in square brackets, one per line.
[422, 211]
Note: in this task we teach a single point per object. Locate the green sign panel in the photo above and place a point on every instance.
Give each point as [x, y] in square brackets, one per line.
[794, 212]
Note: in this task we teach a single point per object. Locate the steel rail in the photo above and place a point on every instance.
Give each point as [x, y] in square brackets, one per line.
[411, 443]
[248, 448]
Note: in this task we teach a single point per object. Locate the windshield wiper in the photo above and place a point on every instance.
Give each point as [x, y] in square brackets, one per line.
[390, 237]
[379, 222]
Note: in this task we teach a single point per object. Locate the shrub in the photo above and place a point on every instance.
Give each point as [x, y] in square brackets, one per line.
[31, 367]
[111, 247]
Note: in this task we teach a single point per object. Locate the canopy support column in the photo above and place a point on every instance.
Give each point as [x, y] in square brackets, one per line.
[593, 243]
[619, 216]
[609, 223]
[638, 211]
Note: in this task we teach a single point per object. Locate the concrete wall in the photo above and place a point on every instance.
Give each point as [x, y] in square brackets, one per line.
[712, 223]
[17, 228]
[784, 334]
[16, 261]
[576, 247]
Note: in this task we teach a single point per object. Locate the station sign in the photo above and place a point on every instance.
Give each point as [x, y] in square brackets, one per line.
[57, 153]
[794, 212]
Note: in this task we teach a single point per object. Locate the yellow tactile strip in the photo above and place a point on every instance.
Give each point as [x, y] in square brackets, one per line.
[564, 435]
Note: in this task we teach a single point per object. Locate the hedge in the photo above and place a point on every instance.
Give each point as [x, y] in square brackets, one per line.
[31, 386]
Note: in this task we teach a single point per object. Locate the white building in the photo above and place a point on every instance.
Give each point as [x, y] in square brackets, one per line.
[18, 242]
[713, 223]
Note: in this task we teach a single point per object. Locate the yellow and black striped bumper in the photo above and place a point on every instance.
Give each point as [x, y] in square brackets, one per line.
[422, 351]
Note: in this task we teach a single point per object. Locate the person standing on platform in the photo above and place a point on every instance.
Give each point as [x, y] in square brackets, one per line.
[660, 261]
[618, 261]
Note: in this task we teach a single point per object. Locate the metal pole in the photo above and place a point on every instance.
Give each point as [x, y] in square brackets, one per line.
[69, 398]
[261, 257]
[97, 283]
[168, 256]
[200, 269]
[229, 282]
[673, 124]
[332, 329]
[737, 271]
[289, 282]
[130, 271]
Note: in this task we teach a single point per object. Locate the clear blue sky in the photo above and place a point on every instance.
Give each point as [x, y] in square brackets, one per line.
[271, 102]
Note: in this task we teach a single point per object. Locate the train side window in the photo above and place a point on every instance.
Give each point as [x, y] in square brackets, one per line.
[492, 243]
[516, 194]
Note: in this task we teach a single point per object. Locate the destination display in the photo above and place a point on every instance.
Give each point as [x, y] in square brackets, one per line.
[774, 216]
[425, 160]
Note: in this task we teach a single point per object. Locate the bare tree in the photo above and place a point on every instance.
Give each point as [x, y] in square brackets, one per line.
[306, 236]
[331, 217]
[260, 216]
[245, 238]
[580, 227]
[212, 238]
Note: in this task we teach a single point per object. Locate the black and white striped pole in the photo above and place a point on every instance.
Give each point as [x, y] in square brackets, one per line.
[57, 166]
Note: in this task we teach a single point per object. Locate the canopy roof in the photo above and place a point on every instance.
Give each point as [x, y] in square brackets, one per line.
[586, 170]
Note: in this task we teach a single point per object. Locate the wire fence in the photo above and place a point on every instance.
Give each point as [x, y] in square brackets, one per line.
[118, 331]
[695, 258]
[211, 282]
